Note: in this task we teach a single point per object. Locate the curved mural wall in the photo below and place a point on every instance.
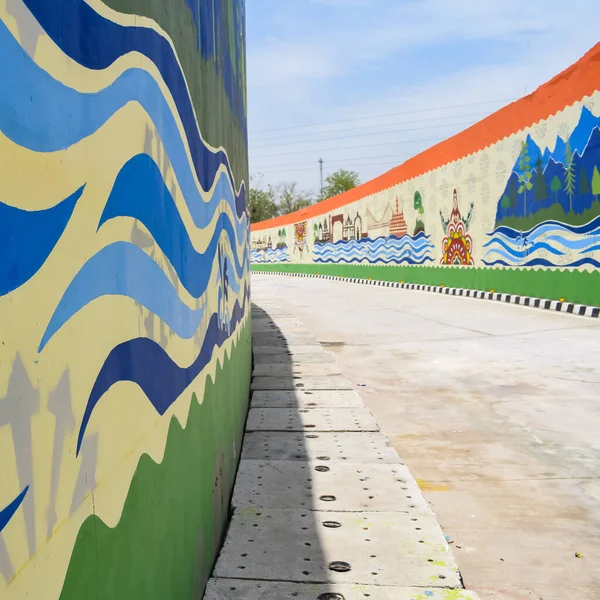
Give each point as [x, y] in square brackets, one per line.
[125, 350]
[511, 204]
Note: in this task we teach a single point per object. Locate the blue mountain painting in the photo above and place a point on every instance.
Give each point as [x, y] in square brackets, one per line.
[563, 184]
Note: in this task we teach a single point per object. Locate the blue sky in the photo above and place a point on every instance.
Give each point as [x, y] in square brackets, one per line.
[379, 75]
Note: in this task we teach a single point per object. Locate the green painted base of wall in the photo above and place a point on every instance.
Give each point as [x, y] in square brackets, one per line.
[580, 287]
[172, 523]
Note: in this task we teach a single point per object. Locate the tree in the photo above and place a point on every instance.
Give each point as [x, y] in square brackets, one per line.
[556, 186]
[584, 182]
[338, 182]
[569, 174]
[261, 204]
[290, 199]
[512, 193]
[419, 203]
[539, 189]
[596, 183]
[505, 203]
[525, 174]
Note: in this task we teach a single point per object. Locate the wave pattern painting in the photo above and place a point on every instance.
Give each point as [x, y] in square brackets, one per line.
[549, 244]
[269, 255]
[124, 278]
[405, 250]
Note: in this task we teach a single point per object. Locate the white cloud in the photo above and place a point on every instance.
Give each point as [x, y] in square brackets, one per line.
[296, 78]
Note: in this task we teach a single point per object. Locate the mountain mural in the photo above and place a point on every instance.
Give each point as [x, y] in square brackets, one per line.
[561, 185]
[549, 213]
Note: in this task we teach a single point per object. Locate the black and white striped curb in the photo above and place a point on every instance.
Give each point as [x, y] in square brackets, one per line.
[582, 310]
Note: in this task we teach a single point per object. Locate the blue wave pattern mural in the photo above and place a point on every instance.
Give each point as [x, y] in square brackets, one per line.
[44, 115]
[407, 250]
[81, 33]
[28, 237]
[7, 513]
[270, 255]
[547, 244]
[41, 114]
[144, 362]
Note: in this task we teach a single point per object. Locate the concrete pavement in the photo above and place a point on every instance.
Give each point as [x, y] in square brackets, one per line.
[323, 508]
[495, 410]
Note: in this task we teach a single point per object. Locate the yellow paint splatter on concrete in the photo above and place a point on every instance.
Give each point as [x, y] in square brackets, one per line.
[427, 486]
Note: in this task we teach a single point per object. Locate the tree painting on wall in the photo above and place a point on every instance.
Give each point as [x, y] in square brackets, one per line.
[549, 213]
[418, 204]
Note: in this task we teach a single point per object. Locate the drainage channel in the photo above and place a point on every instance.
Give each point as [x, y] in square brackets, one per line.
[323, 508]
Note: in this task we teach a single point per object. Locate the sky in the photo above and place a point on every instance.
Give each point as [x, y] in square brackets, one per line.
[365, 84]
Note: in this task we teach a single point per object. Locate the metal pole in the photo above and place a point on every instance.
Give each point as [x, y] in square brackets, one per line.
[321, 166]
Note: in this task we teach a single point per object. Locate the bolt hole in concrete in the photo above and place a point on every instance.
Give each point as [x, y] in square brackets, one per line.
[331, 596]
[331, 524]
[299, 385]
[323, 458]
[312, 437]
[339, 566]
[327, 498]
[322, 469]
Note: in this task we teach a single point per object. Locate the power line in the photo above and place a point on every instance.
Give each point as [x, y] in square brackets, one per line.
[370, 134]
[437, 139]
[393, 163]
[408, 112]
[372, 160]
[354, 128]
[305, 164]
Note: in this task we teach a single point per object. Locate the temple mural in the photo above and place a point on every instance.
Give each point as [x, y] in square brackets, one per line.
[378, 241]
[457, 245]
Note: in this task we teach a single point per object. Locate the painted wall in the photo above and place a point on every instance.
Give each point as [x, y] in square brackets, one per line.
[512, 203]
[125, 349]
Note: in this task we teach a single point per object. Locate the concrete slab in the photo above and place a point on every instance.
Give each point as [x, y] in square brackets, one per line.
[350, 446]
[384, 548]
[241, 589]
[300, 399]
[268, 324]
[310, 419]
[333, 382]
[316, 357]
[291, 349]
[355, 487]
[277, 337]
[512, 473]
[289, 370]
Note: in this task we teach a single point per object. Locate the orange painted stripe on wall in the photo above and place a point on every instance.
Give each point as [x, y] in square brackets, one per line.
[579, 80]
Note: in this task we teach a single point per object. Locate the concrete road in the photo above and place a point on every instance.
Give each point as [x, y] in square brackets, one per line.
[496, 411]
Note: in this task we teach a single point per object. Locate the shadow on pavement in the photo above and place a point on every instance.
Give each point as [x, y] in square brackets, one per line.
[273, 544]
